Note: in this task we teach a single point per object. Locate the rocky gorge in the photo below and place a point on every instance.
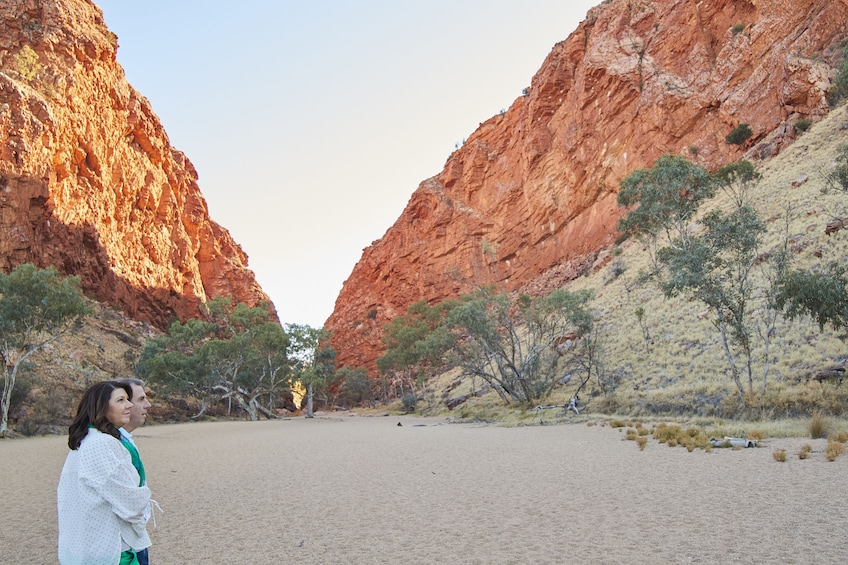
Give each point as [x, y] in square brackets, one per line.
[529, 200]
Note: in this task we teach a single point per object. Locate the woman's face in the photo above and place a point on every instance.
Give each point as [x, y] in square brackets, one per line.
[119, 408]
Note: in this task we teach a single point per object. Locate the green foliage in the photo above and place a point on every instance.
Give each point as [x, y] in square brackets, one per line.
[739, 135]
[839, 89]
[415, 343]
[313, 360]
[37, 307]
[410, 401]
[738, 28]
[714, 266]
[663, 198]
[736, 179]
[236, 353]
[355, 386]
[837, 179]
[823, 295]
[510, 345]
[802, 125]
[513, 347]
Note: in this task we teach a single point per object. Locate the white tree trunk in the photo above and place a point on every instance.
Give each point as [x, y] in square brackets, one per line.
[310, 392]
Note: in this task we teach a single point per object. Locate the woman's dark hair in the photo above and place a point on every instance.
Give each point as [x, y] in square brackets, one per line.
[92, 411]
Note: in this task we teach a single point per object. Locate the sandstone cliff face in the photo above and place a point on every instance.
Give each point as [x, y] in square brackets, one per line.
[531, 196]
[88, 180]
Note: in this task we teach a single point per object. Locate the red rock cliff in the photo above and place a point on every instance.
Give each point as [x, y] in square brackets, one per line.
[89, 182]
[535, 188]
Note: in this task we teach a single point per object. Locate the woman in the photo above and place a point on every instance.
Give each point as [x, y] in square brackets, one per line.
[101, 503]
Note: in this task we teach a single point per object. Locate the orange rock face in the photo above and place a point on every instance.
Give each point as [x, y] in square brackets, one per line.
[531, 195]
[89, 183]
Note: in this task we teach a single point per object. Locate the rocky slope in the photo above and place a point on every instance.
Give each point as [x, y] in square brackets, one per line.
[89, 182]
[531, 196]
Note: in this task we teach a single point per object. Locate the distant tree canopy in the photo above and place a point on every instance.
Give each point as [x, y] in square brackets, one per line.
[713, 263]
[37, 307]
[510, 346]
[236, 353]
[313, 360]
[822, 295]
[663, 199]
[415, 344]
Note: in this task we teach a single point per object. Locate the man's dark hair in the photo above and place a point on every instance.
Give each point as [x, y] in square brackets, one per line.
[131, 381]
[92, 411]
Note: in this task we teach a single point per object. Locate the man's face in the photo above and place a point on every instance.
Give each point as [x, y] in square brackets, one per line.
[139, 409]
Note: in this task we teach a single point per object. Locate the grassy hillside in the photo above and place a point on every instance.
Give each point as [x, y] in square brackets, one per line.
[107, 345]
[685, 371]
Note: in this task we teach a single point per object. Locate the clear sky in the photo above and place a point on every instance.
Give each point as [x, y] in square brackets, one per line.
[311, 123]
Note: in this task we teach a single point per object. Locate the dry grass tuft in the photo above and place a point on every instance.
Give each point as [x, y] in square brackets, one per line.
[841, 437]
[806, 449]
[779, 455]
[819, 425]
[834, 449]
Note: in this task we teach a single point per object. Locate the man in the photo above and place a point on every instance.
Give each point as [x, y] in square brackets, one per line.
[138, 415]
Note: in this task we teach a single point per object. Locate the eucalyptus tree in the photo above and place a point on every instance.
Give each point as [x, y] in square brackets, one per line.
[513, 346]
[237, 353]
[662, 201]
[711, 259]
[313, 362]
[415, 345]
[37, 307]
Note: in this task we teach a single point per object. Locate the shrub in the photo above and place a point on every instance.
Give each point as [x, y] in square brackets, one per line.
[409, 403]
[806, 449]
[802, 125]
[840, 81]
[27, 63]
[738, 28]
[779, 455]
[837, 179]
[664, 433]
[617, 268]
[641, 441]
[834, 450]
[739, 135]
[818, 425]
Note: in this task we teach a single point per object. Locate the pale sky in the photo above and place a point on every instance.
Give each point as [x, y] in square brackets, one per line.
[311, 123]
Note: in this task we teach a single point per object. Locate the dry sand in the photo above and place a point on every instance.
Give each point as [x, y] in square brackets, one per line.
[356, 489]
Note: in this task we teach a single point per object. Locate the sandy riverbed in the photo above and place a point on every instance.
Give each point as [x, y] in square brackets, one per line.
[356, 489]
